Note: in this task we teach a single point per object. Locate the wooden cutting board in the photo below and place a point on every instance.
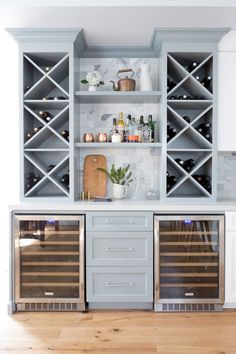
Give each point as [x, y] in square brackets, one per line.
[93, 180]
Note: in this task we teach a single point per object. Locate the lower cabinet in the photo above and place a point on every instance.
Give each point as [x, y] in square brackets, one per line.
[119, 262]
[230, 260]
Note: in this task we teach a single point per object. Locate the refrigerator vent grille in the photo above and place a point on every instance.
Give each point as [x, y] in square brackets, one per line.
[188, 307]
[52, 306]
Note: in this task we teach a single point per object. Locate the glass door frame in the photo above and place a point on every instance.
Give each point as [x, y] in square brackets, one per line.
[194, 217]
[16, 260]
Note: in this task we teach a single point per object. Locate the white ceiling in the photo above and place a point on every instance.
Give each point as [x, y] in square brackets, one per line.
[118, 25]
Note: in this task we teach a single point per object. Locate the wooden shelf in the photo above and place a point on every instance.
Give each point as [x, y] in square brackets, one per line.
[118, 96]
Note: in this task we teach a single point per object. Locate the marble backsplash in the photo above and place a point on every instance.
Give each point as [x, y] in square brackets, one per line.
[226, 175]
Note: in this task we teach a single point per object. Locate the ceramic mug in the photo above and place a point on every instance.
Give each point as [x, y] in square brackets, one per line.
[119, 191]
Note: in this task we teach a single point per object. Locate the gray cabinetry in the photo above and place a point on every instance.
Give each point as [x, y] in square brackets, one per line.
[119, 254]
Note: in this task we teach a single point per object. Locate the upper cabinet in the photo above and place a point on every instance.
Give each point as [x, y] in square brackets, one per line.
[227, 78]
[58, 113]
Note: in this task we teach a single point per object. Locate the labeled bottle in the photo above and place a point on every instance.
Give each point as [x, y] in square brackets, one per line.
[146, 133]
[65, 134]
[121, 126]
[115, 135]
[127, 128]
[151, 126]
[140, 129]
[206, 81]
[192, 66]
[46, 116]
[133, 136]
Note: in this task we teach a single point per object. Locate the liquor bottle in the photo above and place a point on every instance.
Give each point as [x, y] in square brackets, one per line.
[65, 134]
[46, 116]
[151, 126]
[65, 179]
[188, 165]
[187, 119]
[133, 137]
[146, 133]
[115, 135]
[121, 125]
[192, 66]
[140, 124]
[206, 81]
[127, 128]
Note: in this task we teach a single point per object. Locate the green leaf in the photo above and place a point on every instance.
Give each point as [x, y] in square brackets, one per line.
[84, 81]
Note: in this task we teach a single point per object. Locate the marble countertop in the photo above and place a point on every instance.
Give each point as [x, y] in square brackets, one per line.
[128, 205]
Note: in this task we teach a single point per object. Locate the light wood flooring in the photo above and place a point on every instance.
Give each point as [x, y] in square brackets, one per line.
[118, 332]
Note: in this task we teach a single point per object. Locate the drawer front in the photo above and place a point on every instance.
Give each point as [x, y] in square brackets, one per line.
[119, 248]
[230, 218]
[127, 284]
[116, 221]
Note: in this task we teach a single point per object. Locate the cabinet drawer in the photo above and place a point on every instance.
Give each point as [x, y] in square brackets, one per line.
[133, 221]
[230, 221]
[119, 248]
[129, 284]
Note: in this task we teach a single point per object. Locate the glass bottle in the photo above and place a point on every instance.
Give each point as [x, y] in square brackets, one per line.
[121, 126]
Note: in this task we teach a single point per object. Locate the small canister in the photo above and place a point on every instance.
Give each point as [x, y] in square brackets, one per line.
[88, 138]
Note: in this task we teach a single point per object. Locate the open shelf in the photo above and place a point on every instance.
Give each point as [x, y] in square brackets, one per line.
[118, 145]
[118, 96]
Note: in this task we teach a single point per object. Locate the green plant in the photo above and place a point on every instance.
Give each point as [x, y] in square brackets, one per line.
[118, 175]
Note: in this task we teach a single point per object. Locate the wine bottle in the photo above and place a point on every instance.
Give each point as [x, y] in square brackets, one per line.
[29, 135]
[206, 81]
[121, 125]
[46, 116]
[127, 128]
[187, 119]
[179, 162]
[140, 129]
[203, 127]
[171, 132]
[65, 179]
[170, 181]
[151, 126]
[50, 168]
[36, 129]
[65, 134]
[31, 175]
[173, 97]
[188, 165]
[170, 84]
[192, 66]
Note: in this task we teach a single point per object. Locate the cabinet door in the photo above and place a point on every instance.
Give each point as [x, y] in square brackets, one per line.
[226, 119]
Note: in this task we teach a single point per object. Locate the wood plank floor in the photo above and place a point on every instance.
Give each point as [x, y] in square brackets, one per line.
[118, 332]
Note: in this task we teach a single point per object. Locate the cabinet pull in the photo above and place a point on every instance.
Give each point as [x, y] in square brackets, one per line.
[189, 294]
[119, 221]
[129, 249]
[129, 285]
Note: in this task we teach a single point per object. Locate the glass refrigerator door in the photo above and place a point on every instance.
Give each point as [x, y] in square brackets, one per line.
[49, 255]
[189, 258]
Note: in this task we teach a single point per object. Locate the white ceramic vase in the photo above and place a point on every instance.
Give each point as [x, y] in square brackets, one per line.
[119, 191]
[145, 82]
[92, 88]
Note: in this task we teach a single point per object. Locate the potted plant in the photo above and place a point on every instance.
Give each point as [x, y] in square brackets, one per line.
[120, 178]
[93, 79]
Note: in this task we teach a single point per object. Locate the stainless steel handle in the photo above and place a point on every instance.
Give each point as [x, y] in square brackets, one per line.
[119, 221]
[110, 249]
[129, 285]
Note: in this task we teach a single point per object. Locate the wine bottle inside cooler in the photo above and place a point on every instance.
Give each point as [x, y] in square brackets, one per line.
[46, 116]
